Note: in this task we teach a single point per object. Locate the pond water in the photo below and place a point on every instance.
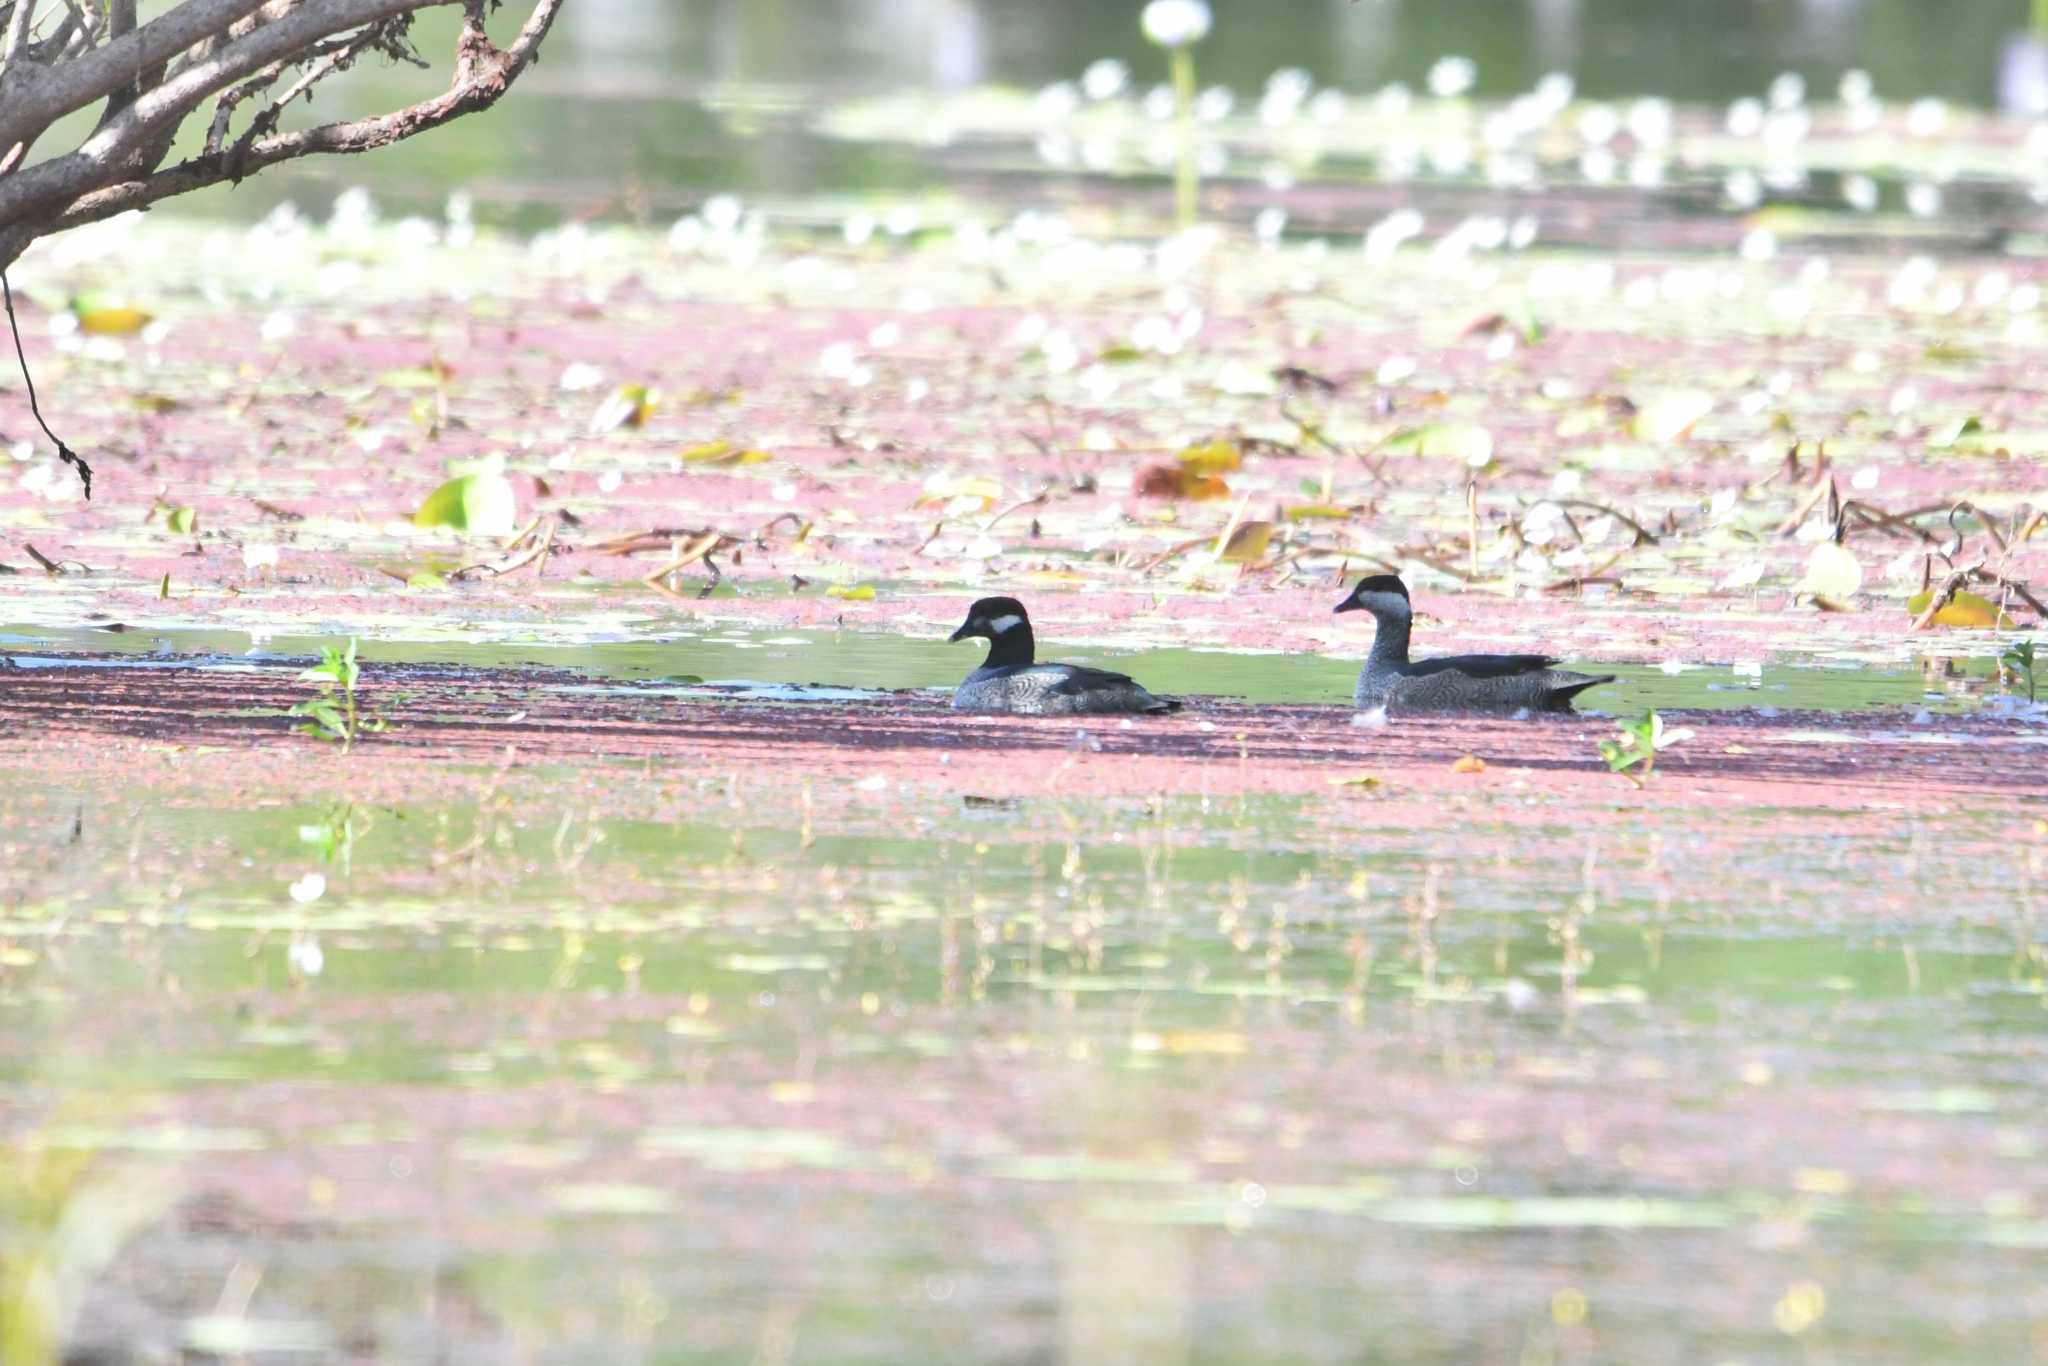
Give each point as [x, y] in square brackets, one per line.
[816, 1066]
[838, 665]
[644, 107]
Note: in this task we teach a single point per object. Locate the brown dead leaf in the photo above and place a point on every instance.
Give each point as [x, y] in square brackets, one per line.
[1174, 481]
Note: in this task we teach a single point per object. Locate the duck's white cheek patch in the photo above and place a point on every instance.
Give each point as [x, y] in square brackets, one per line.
[1006, 623]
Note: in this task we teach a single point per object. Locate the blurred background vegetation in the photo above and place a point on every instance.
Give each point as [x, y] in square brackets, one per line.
[641, 107]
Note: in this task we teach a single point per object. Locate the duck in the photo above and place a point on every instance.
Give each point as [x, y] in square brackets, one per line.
[1010, 681]
[1453, 682]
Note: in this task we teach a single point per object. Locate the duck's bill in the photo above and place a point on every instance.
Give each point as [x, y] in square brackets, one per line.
[1348, 605]
[960, 634]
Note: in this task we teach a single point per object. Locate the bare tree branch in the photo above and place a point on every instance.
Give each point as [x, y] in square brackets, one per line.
[248, 49]
[149, 78]
[33, 97]
[17, 29]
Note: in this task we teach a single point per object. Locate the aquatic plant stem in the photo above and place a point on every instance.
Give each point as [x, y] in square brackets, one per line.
[1184, 176]
[64, 452]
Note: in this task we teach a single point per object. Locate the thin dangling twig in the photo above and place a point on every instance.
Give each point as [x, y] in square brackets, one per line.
[64, 452]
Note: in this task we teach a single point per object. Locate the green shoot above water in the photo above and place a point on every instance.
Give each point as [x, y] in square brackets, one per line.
[2018, 662]
[333, 715]
[1634, 753]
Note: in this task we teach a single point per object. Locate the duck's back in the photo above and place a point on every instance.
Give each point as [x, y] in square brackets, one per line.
[1473, 683]
[1056, 690]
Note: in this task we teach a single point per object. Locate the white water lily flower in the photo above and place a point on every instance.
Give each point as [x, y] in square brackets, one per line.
[1104, 79]
[578, 376]
[1452, 76]
[1176, 23]
[311, 887]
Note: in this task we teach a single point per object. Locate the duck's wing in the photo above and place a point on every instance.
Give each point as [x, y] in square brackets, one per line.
[1078, 680]
[1481, 666]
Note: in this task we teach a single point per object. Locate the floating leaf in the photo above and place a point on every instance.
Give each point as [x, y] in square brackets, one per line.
[1187, 1042]
[481, 504]
[1247, 543]
[1177, 481]
[1963, 609]
[1302, 512]
[861, 592]
[1363, 780]
[1448, 440]
[1122, 354]
[1471, 763]
[104, 316]
[1213, 457]
[722, 453]
[183, 520]
[432, 376]
[960, 493]
[627, 406]
[1947, 435]
[1832, 573]
[1672, 416]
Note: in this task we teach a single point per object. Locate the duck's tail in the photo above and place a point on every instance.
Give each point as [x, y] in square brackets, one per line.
[1566, 686]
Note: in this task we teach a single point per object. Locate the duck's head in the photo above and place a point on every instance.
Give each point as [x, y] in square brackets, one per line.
[993, 618]
[1383, 595]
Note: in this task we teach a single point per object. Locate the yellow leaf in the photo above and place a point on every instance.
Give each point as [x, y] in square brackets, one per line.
[1964, 609]
[723, 453]
[163, 587]
[1213, 457]
[1832, 573]
[1225, 1042]
[1823, 1181]
[1669, 417]
[1471, 763]
[108, 318]
[1247, 544]
[1302, 512]
[946, 488]
[862, 592]
[1365, 780]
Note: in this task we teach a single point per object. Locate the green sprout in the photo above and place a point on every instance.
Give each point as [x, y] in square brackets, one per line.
[2018, 662]
[1634, 753]
[332, 715]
